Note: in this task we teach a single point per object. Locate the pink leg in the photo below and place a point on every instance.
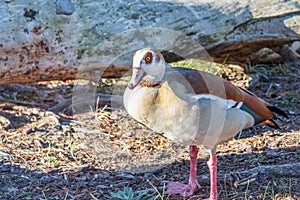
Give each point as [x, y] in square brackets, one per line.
[212, 165]
[187, 189]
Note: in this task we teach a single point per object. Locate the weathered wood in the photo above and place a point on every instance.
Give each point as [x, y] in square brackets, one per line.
[47, 40]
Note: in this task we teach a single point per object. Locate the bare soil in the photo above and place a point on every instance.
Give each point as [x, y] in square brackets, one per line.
[48, 153]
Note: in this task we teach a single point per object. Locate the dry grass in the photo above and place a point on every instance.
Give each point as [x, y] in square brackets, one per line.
[100, 154]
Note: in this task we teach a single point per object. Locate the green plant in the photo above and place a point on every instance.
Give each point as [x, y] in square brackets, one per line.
[129, 194]
[239, 135]
[159, 195]
[199, 65]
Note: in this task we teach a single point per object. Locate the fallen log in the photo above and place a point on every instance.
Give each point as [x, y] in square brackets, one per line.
[62, 40]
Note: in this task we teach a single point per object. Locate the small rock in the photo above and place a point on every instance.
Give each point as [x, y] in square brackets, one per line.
[64, 7]
[4, 122]
[292, 112]
[271, 152]
[265, 55]
[289, 54]
[296, 46]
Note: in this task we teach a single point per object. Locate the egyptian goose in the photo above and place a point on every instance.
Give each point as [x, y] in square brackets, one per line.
[192, 108]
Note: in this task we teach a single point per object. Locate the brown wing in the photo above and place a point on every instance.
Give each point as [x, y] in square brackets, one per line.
[205, 83]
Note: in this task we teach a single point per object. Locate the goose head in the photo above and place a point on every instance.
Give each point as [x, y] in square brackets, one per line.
[148, 68]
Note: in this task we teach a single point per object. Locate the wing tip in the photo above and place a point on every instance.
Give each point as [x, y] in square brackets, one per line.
[272, 122]
[278, 111]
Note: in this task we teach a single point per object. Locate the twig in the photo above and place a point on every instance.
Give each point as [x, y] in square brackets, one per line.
[22, 103]
[295, 75]
[268, 91]
[286, 170]
[93, 197]
[6, 155]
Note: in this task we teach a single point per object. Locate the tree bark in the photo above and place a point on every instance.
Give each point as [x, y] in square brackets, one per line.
[46, 40]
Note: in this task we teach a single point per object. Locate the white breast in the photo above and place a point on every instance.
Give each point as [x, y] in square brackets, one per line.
[191, 119]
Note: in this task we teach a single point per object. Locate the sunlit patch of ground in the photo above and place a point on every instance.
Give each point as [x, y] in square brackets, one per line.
[52, 155]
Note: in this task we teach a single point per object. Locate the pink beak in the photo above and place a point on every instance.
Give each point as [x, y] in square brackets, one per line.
[137, 75]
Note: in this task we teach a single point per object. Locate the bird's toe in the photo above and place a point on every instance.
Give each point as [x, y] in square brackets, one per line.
[182, 189]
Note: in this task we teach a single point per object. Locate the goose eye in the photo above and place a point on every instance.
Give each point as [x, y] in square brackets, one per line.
[148, 57]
